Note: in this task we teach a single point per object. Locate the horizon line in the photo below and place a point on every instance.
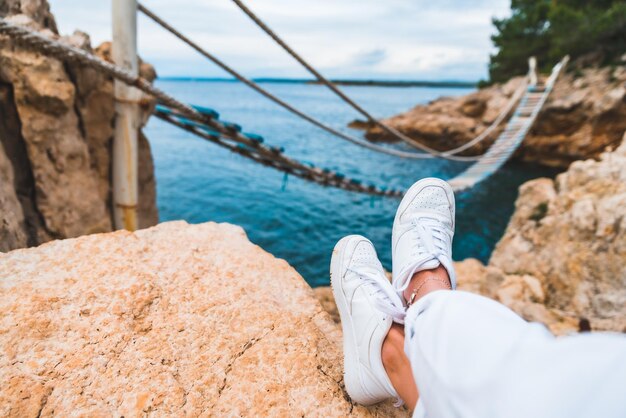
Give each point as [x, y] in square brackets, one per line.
[339, 81]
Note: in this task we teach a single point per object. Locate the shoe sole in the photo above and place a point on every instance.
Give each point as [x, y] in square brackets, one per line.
[351, 365]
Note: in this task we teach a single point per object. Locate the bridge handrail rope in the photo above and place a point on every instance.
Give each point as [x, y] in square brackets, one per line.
[309, 172]
[517, 95]
[243, 145]
[449, 154]
[385, 127]
[555, 73]
[514, 133]
[204, 123]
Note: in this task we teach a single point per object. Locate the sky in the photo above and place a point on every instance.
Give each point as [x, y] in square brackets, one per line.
[360, 39]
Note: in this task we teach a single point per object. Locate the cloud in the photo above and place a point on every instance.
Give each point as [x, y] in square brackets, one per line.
[369, 58]
[350, 38]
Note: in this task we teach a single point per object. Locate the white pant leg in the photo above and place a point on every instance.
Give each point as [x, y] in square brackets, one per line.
[473, 357]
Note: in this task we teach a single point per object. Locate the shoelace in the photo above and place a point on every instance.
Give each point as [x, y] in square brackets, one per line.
[386, 299]
[429, 235]
[429, 242]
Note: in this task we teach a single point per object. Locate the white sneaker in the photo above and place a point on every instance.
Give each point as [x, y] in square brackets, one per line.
[367, 305]
[422, 232]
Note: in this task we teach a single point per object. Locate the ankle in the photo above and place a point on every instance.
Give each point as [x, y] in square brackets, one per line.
[397, 366]
[392, 349]
[425, 282]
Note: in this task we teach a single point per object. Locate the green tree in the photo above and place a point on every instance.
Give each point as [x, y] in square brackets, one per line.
[580, 27]
[551, 29]
[518, 37]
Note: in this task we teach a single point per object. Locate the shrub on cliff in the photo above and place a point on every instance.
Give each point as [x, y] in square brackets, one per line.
[550, 29]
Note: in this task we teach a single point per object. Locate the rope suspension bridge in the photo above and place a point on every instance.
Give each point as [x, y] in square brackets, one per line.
[525, 104]
[514, 133]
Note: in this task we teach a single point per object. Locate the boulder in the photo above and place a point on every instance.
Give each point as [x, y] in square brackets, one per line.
[324, 295]
[12, 228]
[571, 235]
[449, 122]
[65, 184]
[176, 319]
[524, 294]
[37, 10]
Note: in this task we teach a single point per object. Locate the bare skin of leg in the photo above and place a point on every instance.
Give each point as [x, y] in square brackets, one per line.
[398, 367]
[395, 361]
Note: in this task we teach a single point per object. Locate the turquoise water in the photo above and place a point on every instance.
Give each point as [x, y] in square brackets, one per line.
[300, 221]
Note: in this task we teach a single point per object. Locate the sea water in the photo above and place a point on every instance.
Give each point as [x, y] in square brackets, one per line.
[300, 221]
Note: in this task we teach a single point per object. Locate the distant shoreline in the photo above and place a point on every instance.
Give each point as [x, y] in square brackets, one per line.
[343, 82]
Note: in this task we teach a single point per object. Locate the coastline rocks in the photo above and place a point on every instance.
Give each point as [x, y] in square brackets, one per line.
[449, 122]
[37, 10]
[524, 294]
[12, 231]
[571, 235]
[584, 114]
[66, 190]
[55, 140]
[324, 295]
[176, 319]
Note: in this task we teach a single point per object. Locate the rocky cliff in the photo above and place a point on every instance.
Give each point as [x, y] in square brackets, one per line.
[175, 320]
[585, 114]
[56, 129]
[570, 236]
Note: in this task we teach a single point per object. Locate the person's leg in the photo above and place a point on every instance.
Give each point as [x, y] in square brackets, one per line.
[368, 306]
[395, 361]
[421, 251]
[473, 357]
[397, 366]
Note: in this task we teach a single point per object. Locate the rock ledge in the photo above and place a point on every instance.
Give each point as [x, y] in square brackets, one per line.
[173, 320]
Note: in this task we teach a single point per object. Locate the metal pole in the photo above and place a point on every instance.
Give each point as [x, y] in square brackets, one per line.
[532, 70]
[124, 54]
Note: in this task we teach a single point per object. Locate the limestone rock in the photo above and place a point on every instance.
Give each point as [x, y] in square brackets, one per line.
[22, 184]
[449, 122]
[57, 135]
[37, 10]
[473, 276]
[173, 320]
[12, 225]
[571, 235]
[585, 114]
[66, 188]
[96, 107]
[147, 211]
[324, 295]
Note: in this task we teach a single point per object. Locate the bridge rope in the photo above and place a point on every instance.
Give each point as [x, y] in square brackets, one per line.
[449, 154]
[514, 133]
[204, 122]
[208, 127]
[370, 118]
[515, 98]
